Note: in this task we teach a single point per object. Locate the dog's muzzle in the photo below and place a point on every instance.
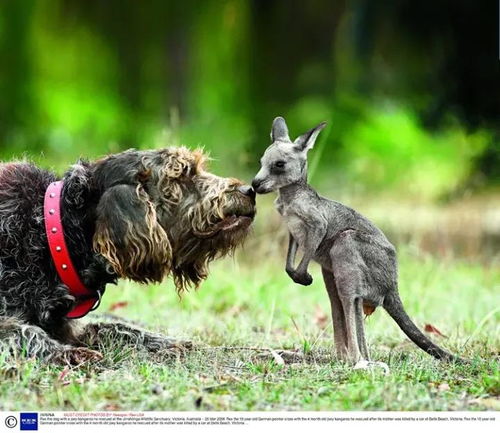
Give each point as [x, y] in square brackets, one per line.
[247, 190]
[235, 220]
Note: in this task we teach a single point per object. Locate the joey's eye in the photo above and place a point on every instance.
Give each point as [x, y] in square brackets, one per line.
[279, 164]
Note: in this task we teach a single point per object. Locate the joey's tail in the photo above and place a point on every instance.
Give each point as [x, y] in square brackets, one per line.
[394, 306]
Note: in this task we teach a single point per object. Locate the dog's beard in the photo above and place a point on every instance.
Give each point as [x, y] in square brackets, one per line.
[211, 229]
[192, 255]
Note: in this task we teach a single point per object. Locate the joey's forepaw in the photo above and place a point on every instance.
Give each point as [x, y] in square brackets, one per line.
[304, 279]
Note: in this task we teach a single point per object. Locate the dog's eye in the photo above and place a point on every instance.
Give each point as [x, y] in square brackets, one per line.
[279, 164]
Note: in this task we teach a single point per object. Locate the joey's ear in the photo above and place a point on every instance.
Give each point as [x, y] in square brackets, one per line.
[129, 236]
[306, 141]
[279, 130]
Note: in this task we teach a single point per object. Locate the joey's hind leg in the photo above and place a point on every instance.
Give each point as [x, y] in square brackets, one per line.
[97, 335]
[19, 339]
[360, 329]
[338, 318]
[349, 269]
[365, 363]
[349, 307]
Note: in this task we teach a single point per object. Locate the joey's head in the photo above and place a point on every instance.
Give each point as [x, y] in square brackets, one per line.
[284, 162]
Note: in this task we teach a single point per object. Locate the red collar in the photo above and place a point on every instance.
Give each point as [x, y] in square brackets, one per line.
[87, 300]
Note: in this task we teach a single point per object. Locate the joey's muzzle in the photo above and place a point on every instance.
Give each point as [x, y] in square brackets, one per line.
[259, 186]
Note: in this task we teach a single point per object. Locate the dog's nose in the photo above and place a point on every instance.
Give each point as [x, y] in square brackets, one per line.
[247, 190]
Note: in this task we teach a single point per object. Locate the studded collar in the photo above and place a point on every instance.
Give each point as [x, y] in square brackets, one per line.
[87, 299]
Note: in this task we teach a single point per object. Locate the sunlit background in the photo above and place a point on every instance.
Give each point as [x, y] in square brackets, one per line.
[410, 93]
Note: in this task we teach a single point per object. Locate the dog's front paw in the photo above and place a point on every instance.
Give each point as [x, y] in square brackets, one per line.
[304, 279]
[158, 343]
[77, 356]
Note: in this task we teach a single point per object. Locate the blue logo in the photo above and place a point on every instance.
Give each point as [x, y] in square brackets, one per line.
[29, 421]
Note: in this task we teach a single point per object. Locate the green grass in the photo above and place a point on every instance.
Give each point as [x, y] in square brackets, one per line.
[242, 307]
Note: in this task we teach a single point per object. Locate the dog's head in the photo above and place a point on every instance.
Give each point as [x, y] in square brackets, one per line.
[160, 212]
[284, 162]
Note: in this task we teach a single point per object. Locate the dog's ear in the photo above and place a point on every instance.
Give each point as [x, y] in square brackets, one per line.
[129, 236]
[305, 142]
[279, 130]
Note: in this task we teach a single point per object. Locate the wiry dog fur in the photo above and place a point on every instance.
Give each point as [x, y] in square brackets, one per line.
[141, 215]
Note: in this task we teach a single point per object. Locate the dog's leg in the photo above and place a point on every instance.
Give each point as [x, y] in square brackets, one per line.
[96, 335]
[339, 329]
[18, 339]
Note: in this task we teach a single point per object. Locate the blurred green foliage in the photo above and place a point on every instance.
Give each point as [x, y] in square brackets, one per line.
[86, 78]
[390, 149]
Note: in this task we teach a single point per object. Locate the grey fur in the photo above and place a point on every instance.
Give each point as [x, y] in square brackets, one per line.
[358, 262]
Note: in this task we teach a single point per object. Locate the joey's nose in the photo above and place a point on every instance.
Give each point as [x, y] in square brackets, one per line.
[247, 190]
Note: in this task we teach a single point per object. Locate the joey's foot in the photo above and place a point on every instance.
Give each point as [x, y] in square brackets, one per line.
[305, 279]
[78, 355]
[372, 365]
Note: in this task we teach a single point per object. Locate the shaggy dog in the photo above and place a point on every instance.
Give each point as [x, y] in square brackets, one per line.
[140, 215]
